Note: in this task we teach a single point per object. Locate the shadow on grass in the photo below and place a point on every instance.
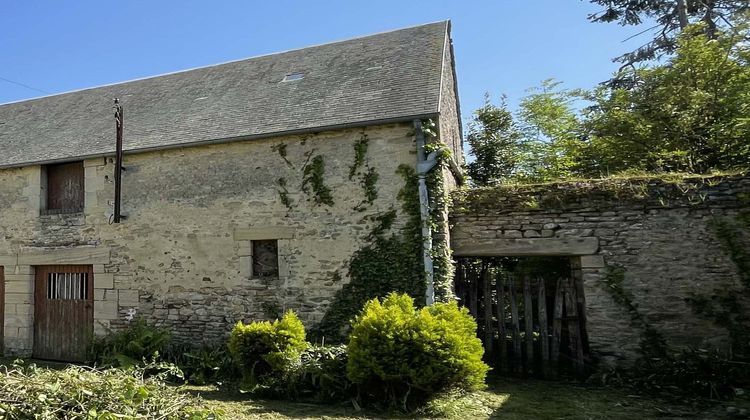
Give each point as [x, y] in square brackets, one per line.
[537, 399]
[504, 398]
[241, 406]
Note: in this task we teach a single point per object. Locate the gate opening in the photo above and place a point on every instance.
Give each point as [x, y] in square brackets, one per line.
[530, 313]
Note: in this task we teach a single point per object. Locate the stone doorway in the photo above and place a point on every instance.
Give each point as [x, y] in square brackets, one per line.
[530, 313]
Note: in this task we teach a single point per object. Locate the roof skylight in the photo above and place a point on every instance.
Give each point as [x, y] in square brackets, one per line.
[293, 77]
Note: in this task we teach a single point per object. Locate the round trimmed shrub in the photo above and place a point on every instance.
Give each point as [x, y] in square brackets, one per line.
[264, 348]
[398, 350]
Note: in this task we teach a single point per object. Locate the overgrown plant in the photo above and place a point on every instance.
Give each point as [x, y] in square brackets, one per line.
[84, 393]
[204, 364]
[133, 345]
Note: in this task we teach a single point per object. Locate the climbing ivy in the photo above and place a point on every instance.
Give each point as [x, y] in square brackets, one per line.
[729, 235]
[652, 344]
[281, 150]
[313, 177]
[369, 178]
[369, 181]
[360, 151]
[390, 262]
[284, 193]
[724, 306]
[442, 260]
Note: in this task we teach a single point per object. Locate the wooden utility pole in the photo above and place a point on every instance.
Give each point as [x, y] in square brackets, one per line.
[118, 160]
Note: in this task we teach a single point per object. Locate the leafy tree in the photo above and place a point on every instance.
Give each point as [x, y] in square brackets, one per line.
[689, 114]
[671, 17]
[551, 128]
[495, 144]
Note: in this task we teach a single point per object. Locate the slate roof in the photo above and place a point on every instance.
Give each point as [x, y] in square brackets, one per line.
[385, 77]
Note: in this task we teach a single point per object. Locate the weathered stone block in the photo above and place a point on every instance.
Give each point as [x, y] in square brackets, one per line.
[105, 310]
[592, 261]
[104, 280]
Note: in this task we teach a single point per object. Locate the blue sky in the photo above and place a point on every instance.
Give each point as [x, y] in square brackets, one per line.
[502, 46]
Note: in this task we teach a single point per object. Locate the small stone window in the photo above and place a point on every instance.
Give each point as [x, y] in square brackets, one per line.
[62, 188]
[265, 258]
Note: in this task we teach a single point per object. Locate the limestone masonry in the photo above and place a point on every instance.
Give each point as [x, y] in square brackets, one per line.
[661, 234]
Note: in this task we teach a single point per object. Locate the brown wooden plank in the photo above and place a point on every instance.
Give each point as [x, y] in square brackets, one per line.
[2, 310]
[473, 292]
[502, 340]
[517, 365]
[557, 324]
[489, 334]
[65, 187]
[574, 334]
[543, 328]
[458, 284]
[63, 312]
[581, 299]
[528, 318]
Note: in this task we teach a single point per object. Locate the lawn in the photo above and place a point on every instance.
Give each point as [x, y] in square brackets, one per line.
[504, 398]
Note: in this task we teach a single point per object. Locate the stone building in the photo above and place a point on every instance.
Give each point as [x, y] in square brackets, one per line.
[246, 188]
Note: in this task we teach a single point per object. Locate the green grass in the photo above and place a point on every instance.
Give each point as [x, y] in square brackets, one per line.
[504, 398]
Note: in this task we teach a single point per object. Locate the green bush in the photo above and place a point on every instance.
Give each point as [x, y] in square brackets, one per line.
[266, 348]
[130, 346]
[78, 393]
[320, 375]
[202, 365]
[703, 373]
[397, 352]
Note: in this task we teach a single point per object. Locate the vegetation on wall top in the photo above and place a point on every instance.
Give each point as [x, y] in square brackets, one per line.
[649, 190]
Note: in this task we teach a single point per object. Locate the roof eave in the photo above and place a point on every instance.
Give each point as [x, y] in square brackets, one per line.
[334, 127]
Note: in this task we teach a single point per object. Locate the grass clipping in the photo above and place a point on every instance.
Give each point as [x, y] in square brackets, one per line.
[28, 391]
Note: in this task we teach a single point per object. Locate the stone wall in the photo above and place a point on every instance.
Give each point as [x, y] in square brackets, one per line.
[660, 233]
[181, 258]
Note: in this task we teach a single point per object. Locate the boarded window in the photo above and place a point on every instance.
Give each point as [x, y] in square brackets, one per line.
[64, 188]
[265, 258]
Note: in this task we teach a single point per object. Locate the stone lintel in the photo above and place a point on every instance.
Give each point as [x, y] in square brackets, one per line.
[57, 256]
[261, 233]
[526, 247]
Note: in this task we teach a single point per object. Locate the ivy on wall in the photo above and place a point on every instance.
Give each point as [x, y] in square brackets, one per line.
[725, 307]
[313, 178]
[392, 261]
[360, 151]
[442, 259]
[284, 193]
[652, 344]
[368, 175]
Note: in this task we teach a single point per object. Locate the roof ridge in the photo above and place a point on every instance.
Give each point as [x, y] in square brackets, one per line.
[445, 21]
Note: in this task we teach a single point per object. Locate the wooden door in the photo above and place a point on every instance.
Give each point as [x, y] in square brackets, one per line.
[2, 310]
[63, 312]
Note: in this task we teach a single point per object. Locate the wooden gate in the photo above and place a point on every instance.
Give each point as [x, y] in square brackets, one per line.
[63, 312]
[530, 324]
